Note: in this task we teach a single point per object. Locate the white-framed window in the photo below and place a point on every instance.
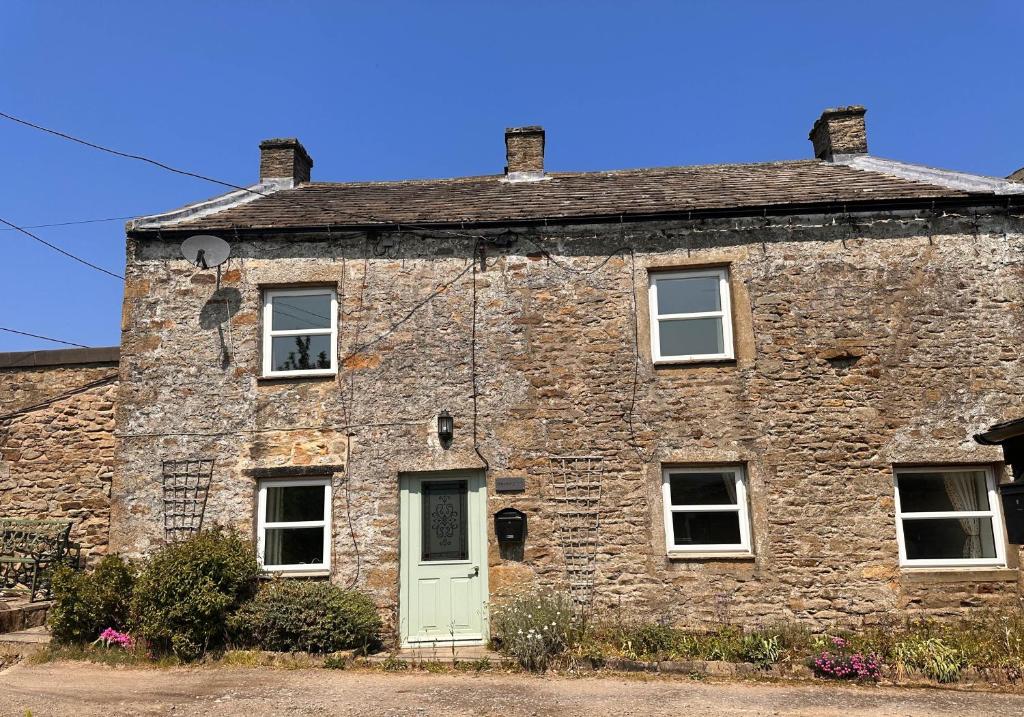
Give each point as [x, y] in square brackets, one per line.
[691, 319]
[300, 332]
[293, 529]
[948, 516]
[706, 510]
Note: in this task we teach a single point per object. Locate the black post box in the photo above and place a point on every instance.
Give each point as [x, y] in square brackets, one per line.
[510, 526]
[1012, 495]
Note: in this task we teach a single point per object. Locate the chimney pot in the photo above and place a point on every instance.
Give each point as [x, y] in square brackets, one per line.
[284, 158]
[839, 131]
[524, 152]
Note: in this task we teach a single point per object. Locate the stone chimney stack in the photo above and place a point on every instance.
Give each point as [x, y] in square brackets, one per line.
[284, 158]
[839, 132]
[524, 152]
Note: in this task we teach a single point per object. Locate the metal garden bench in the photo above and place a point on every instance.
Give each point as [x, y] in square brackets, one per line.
[31, 549]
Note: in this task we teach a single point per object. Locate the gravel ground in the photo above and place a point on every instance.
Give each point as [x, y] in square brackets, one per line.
[79, 689]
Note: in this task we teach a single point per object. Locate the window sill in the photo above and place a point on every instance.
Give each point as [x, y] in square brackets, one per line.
[737, 556]
[670, 363]
[958, 574]
[298, 377]
[273, 574]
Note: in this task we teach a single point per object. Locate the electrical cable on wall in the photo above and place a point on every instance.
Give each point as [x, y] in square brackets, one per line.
[110, 378]
[472, 359]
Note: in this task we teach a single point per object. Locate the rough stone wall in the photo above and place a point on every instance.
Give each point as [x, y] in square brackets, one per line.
[859, 345]
[56, 460]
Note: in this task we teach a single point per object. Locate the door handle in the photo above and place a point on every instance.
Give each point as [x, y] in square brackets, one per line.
[475, 573]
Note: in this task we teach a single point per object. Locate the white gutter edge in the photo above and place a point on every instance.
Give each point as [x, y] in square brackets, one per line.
[930, 175]
[211, 206]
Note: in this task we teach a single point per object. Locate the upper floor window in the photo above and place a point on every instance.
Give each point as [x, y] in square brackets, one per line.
[706, 510]
[948, 516]
[690, 315]
[300, 332]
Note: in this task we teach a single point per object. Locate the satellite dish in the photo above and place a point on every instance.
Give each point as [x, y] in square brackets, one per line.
[205, 250]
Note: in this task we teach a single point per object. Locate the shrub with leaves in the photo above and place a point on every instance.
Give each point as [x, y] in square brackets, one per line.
[535, 629]
[86, 603]
[290, 615]
[761, 649]
[933, 657]
[184, 596]
[640, 640]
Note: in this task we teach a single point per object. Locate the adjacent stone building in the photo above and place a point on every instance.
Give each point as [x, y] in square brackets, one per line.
[57, 439]
[717, 393]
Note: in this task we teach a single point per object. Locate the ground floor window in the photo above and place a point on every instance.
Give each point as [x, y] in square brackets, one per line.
[706, 510]
[294, 525]
[948, 516]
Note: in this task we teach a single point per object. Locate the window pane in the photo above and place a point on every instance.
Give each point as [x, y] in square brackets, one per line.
[445, 521]
[713, 488]
[691, 337]
[689, 295]
[948, 538]
[706, 528]
[301, 312]
[287, 504]
[945, 490]
[301, 353]
[294, 546]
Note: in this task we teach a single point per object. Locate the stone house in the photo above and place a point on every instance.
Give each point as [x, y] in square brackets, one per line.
[700, 394]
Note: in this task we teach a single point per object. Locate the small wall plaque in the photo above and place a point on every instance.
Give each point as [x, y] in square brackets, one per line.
[514, 484]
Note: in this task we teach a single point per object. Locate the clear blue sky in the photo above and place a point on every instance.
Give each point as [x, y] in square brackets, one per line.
[388, 90]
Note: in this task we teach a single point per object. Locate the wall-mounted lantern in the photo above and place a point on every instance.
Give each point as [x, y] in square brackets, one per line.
[445, 427]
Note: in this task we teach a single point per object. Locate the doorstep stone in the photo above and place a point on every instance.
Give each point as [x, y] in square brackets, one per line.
[31, 636]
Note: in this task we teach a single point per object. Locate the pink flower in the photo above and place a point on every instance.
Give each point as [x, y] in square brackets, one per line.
[110, 636]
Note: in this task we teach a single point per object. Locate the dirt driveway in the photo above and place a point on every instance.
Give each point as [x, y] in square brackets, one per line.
[81, 689]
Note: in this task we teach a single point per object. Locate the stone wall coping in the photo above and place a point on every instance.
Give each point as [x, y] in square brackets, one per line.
[59, 357]
[959, 575]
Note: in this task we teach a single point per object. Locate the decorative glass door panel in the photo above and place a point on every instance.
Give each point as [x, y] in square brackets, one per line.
[445, 524]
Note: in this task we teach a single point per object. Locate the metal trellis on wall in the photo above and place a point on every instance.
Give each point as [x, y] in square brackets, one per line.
[575, 489]
[186, 485]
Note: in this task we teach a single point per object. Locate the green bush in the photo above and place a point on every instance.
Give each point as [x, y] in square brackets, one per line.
[761, 649]
[184, 596]
[86, 603]
[648, 640]
[931, 656]
[535, 629]
[289, 615]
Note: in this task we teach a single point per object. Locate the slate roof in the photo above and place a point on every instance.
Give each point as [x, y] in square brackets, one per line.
[565, 195]
[735, 188]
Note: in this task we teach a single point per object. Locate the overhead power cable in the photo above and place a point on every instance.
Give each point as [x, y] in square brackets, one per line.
[71, 223]
[56, 248]
[126, 155]
[44, 338]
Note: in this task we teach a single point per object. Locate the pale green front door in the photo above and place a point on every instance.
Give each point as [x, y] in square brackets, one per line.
[443, 558]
